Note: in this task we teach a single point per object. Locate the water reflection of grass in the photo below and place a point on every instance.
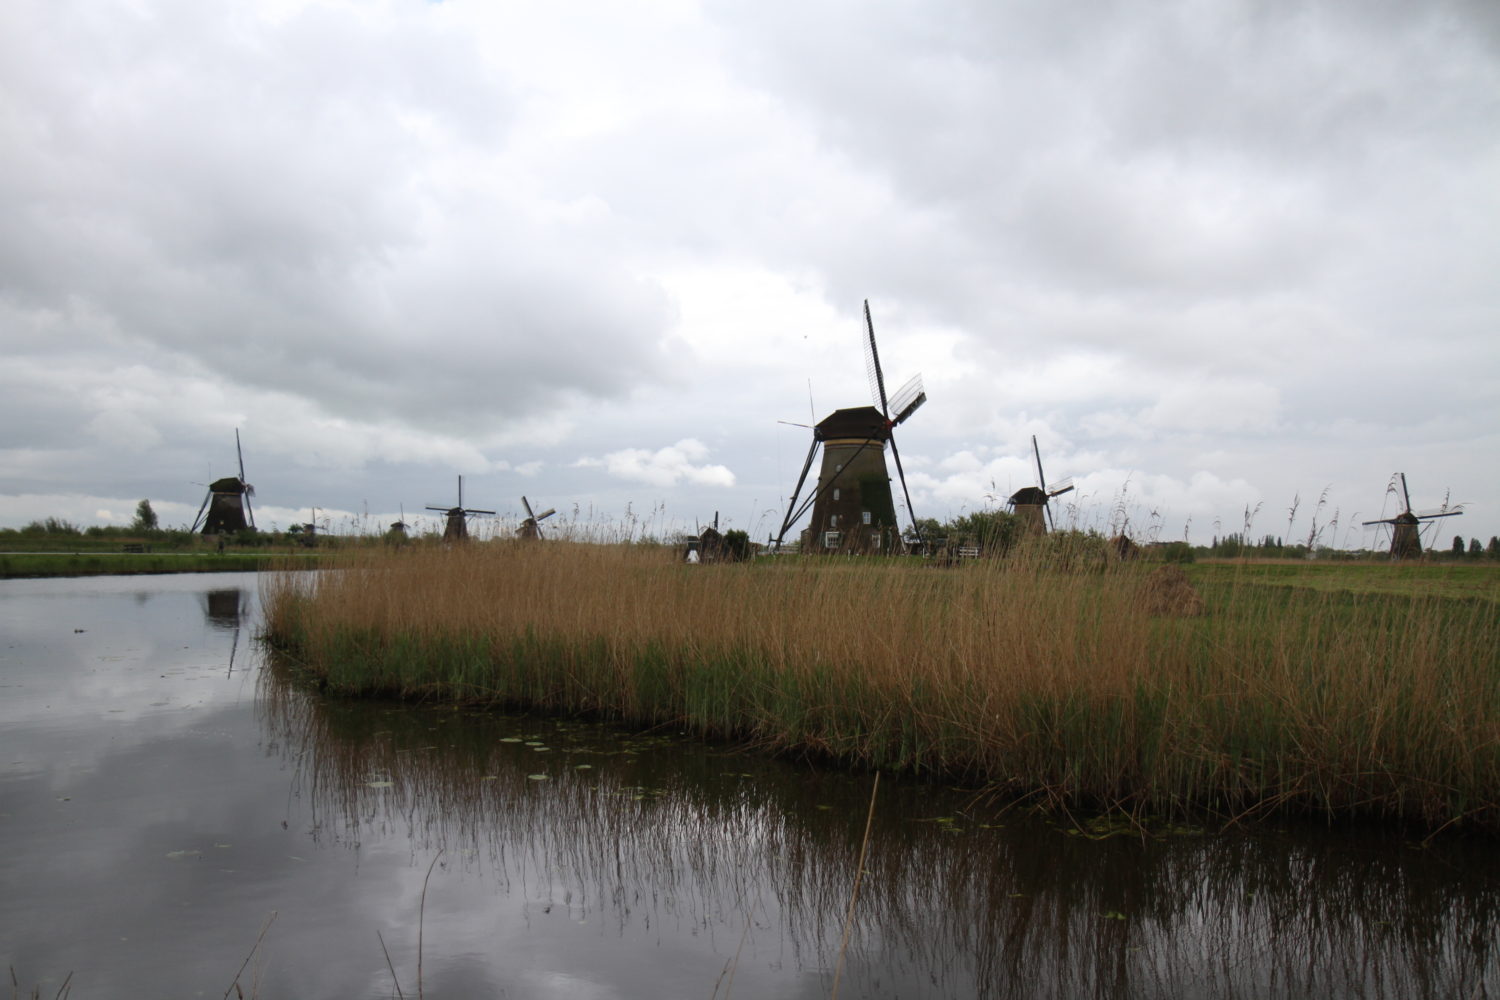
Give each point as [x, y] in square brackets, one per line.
[713, 844]
[1046, 684]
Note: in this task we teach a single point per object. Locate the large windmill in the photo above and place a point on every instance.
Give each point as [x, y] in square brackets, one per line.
[852, 506]
[1406, 527]
[457, 528]
[1032, 503]
[226, 508]
[531, 528]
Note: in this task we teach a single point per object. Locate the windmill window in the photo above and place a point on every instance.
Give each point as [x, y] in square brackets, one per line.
[830, 539]
[866, 515]
[833, 520]
[835, 492]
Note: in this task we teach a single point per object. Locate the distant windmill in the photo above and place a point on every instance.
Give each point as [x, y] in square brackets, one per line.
[1031, 503]
[226, 508]
[710, 544]
[531, 528]
[852, 506]
[457, 528]
[1406, 527]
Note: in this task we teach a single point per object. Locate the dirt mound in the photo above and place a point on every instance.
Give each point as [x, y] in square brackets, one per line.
[1167, 593]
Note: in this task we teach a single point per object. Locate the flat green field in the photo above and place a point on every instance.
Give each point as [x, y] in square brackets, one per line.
[39, 564]
[1420, 579]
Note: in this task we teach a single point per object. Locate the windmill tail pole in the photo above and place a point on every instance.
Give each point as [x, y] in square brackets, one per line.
[201, 508]
[791, 507]
[910, 511]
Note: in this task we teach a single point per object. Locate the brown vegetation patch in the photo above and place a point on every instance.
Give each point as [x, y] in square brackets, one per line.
[1167, 593]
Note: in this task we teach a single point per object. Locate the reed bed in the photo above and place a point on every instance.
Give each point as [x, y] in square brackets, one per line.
[1036, 680]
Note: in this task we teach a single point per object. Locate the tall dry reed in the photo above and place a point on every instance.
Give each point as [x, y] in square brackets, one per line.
[1043, 681]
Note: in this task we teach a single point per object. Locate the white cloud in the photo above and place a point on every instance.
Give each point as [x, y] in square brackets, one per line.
[664, 467]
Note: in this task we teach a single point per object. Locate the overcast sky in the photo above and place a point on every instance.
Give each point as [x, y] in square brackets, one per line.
[1216, 256]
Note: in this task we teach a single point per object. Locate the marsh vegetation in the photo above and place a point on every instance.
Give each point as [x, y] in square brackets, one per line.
[1041, 678]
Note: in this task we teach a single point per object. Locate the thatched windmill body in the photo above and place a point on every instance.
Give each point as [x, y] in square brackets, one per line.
[1406, 527]
[531, 528]
[457, 527]
[853, 509]
[1032, 504]
[226, 508]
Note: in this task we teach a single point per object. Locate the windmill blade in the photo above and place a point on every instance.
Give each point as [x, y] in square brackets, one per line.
[247, 491]
[793, 423]
[1405, 496]
[872, 365]
[1430, 514]
[908, 399]
[1385, 520]
[1041, 478]
[460, 491]
[527, 504]
[546, 514]
[910, 511]
[476, 510]
[1059, 488]
[1051, 523]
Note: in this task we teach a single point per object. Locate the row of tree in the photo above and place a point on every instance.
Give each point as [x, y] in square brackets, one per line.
[1475, 550]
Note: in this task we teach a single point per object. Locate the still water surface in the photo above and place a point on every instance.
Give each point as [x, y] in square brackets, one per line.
[164, 791]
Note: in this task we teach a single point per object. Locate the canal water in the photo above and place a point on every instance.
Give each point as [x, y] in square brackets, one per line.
[176, 811]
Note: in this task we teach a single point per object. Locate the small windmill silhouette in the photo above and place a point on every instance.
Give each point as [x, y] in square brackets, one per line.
[1406, 527]
[226, 508]
[531, 528]
[457, 528]
[1031, 503]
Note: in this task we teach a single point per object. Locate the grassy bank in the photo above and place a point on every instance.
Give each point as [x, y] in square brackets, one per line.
[1410, 578]
[39, 564]
[1054, 686]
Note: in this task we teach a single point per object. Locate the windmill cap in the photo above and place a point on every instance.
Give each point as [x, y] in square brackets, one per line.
[855, 422]
[1028, 496]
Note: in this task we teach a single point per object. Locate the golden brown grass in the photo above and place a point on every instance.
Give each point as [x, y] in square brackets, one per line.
[1047, 684]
